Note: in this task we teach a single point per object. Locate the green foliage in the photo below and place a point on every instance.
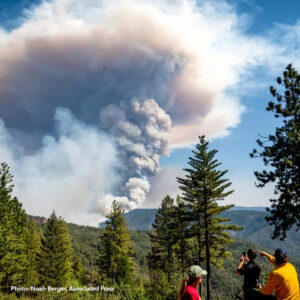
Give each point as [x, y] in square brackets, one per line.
[182, 235]
[163, 238]
[131, 292]
[170, 251]
[10, 297]
[56, 255]
[170, 238]
[86, 241]
[141, 246]
[33, 246]
[281, 151]
[78, 269]
[13, 224]
[115, 255]
[225, 283]
[159, 288]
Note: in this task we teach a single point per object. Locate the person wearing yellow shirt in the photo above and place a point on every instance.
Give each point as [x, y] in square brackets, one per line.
[283, 279]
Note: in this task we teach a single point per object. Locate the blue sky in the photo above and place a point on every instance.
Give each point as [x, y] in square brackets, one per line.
[265, 13]
[88, 92]
[233, 150]
[11, 11]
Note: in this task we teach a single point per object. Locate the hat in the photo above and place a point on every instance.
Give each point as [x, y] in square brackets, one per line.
[195, 272]
[280, 252]
[280, 256]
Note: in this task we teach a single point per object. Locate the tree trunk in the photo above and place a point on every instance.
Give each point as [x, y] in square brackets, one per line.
[207, 250]
[182, 255]
[6, 284]
[199, 252]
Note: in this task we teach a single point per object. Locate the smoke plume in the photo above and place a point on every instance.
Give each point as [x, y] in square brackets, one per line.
[142, 134]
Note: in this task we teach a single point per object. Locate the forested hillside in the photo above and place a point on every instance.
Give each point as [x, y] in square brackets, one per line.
[225, 283]
[86, 239]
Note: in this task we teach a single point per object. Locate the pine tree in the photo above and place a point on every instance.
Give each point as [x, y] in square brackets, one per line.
[115, 261]
[13, 223]
[78, 269]
[169, 238]
[182, 235]
[170, 252]
[155, 261]
[281, 151]
[55, 258]
[164, 227]
[32, 248]
[202, 187]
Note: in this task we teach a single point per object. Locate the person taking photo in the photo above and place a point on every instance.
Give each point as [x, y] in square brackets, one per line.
[250, 270]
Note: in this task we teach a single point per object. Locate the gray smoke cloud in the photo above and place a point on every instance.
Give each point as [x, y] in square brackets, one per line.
[66, 173]
[88, 90]
[142, 134]
[142, 131]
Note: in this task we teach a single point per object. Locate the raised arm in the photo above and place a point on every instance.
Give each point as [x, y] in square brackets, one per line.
[240, 268]
[270, 258]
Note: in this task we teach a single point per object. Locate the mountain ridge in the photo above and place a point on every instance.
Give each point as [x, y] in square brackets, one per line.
[256, 228]
[142, 218]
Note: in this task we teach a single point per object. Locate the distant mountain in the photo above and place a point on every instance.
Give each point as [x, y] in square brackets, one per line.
[139, 219]
[255, 208]
[142, 218]
[256, 229]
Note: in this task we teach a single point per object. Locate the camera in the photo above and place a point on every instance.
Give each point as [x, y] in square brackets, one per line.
[244, 253]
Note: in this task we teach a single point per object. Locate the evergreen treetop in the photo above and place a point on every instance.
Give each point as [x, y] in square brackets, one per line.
[281, 153]
[203, 186]
[116, 261]
[55, 257]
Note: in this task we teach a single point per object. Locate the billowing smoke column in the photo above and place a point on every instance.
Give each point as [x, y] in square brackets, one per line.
[88, 90]
[142, 132]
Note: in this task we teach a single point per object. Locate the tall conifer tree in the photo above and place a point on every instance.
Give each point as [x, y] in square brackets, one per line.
[166, 249]
[32, 248]
[55, 258]
[116, 261]
[202, 187]
[13, 223]
[164, 227]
